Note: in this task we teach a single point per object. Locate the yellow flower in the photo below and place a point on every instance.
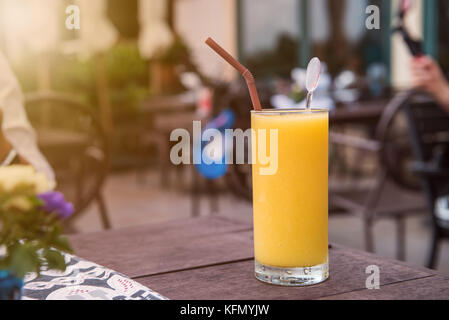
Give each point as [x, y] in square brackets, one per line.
[16, 175]
[19, 202]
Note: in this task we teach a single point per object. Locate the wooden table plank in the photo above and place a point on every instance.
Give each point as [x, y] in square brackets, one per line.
[366, 113]
[53, 137]
[165, 247]
[170, 103]
[236, 280]
[212, 258]
[429, 288]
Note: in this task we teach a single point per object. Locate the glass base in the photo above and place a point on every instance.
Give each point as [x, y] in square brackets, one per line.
[293, 277]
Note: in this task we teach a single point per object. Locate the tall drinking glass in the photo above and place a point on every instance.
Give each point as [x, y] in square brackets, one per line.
[290, 197]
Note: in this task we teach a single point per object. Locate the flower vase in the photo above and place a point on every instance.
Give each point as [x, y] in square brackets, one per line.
[10, 286]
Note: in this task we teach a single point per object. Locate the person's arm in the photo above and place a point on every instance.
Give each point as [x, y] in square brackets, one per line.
[5, 146]
[427, 76]
[7, 152]
[15, 127]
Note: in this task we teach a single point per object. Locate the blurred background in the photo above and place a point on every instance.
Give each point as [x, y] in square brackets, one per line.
[104, 99]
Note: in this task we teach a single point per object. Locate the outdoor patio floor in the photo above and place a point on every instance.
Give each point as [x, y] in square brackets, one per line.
[132, 203]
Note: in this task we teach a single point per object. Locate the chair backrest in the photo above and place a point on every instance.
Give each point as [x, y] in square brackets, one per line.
[73, 141]
[396, 153]
[428, 127]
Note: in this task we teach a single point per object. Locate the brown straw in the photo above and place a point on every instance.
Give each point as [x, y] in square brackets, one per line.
[240, 68]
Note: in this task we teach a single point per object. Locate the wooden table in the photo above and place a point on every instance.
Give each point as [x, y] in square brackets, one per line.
[212, 258]
[59, 138]
[359, 113]
[170, 104]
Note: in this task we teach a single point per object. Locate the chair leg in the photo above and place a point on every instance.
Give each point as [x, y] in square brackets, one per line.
[164, 162]
[434, 250]
[79, 172]
[195, 193]
[179, 171]
[212, 190]
[140, 171]
[369, 211]
[400, 233]
[369, 237]
[103, 212]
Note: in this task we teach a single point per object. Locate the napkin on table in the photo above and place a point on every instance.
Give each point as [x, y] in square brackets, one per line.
[84, 280]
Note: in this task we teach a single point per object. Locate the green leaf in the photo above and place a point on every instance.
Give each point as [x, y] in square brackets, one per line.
[23, 259]
[55, 260]
[55, 240]
[62, 243]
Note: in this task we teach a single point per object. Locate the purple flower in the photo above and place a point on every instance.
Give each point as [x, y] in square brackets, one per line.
[55, 202]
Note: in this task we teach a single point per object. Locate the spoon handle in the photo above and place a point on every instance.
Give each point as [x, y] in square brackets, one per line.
[309, 99]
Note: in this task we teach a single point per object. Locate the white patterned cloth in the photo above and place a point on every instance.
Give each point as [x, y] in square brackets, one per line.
[84, 280]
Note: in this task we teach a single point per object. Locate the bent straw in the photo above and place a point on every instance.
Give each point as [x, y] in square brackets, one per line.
[250, 82]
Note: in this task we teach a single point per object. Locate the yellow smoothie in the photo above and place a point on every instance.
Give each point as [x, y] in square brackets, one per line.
[290, 207]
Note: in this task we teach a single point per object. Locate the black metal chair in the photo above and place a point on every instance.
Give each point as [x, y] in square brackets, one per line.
[429, 129]
[74, 143]
[391, 146]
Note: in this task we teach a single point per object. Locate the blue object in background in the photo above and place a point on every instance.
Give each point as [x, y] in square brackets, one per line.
[225, 120]
[10, 286]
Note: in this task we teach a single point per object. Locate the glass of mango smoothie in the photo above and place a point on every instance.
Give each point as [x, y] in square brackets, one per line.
[290, 198]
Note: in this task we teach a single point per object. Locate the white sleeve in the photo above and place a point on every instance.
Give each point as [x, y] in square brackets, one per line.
[15, 126]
